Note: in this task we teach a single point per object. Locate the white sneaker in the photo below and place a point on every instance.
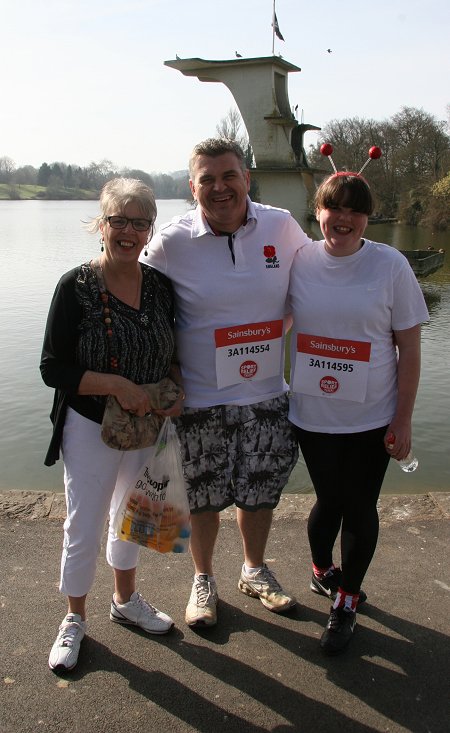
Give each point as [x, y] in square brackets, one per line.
[64, 653]
[265, 586]
[138, 612]
[202, 607]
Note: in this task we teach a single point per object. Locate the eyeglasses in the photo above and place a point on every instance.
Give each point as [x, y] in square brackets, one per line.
[120, 222]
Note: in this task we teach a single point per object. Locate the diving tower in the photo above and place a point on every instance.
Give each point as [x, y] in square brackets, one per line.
[260, 90]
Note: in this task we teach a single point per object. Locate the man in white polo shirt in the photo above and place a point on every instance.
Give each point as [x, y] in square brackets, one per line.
[229, 261]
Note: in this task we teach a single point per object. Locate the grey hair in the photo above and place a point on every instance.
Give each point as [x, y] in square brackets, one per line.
[118, 193]
[215, 146]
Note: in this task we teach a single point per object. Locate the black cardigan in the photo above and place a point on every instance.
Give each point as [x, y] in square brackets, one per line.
[60, 367]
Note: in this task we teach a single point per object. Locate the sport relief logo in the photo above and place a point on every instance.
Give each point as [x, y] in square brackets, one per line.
[329, 385]
[270, 253]
[248, 369]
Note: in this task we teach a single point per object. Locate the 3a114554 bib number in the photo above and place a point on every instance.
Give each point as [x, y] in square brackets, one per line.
[245, 350]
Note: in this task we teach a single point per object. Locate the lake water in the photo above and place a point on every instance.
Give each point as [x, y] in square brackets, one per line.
[40, 240]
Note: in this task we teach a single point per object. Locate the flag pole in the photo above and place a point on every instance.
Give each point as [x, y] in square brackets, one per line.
[273, 29]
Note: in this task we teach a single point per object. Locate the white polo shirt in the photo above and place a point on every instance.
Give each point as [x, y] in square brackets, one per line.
[343, 356]
[229, 315]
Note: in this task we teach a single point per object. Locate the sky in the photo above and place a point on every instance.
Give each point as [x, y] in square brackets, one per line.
[84, 80]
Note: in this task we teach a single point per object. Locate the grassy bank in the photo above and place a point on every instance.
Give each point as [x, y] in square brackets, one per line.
[26, 192]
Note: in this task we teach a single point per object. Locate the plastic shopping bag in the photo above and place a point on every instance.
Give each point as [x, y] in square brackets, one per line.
[155, 510]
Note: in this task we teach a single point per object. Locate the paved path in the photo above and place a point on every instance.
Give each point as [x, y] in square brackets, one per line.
[255, 672]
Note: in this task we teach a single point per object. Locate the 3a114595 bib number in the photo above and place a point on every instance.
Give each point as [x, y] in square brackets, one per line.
[337, 366]
[334, 368]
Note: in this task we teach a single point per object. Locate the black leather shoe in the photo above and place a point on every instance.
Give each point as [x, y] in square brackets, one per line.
[339, 631]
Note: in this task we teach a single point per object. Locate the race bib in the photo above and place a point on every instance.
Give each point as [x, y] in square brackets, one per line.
[333, 368]
[247, 352]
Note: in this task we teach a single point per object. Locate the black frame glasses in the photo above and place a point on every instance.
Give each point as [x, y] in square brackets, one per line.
[120, 222]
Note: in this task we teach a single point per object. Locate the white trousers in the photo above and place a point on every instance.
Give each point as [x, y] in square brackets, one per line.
[95, 478]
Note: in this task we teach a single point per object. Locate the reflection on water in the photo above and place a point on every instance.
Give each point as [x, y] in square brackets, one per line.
[432, 298]
[40, 240]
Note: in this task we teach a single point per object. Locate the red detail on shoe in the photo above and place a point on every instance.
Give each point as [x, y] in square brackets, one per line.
[323, 572]
[344, 599]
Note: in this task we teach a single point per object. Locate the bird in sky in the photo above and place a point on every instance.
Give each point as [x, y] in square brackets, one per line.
[238, 55]
[329, 50]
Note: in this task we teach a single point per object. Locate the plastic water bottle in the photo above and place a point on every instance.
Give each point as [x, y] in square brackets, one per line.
[407, 464]
[410, 463]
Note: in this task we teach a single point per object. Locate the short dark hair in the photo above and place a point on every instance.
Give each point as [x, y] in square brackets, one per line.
[215, 146]
[345, 189]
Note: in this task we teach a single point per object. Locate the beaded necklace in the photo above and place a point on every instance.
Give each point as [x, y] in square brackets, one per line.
[111, 341]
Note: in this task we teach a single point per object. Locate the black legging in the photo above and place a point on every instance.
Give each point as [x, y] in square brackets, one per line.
[347, 471]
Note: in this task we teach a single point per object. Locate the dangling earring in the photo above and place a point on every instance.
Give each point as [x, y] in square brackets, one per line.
[101, 240]
[146, 251]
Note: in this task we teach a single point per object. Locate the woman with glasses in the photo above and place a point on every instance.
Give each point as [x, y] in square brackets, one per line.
[109, 330]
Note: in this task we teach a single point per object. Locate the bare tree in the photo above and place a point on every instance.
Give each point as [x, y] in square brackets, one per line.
[99, 173]
[230, 127]
[416, 154]
[438, 208]
[25, 174]
[7, 168]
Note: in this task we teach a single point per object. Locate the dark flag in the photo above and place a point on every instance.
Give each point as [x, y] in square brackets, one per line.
[276, 27]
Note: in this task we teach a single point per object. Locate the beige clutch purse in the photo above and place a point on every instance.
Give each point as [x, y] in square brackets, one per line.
[125, 431]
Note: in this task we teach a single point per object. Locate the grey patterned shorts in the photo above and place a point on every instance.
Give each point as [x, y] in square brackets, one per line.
[237, 454]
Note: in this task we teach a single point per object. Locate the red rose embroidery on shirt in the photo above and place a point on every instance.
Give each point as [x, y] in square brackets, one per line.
[269, 251]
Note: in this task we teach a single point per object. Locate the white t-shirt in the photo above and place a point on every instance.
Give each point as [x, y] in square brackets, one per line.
[229, 316]
[343, 357]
